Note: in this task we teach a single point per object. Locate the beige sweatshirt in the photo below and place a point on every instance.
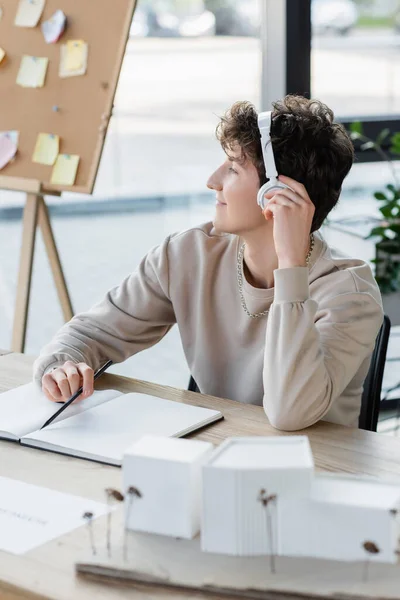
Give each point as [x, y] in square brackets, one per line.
[304, 361]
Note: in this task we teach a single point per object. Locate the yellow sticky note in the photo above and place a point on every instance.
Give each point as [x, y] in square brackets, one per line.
[29, 13]
[46, 149]
[75, 55]
[32, 71]
[73, 59]
[64, 171]
[2, 54]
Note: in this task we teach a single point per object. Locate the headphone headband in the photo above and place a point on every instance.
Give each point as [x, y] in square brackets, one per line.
[264, 125]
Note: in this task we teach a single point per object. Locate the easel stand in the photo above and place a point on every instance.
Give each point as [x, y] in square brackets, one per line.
[35, 213]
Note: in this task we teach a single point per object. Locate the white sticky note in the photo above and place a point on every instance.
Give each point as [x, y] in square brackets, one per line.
[46, 149]
[29, 13]
[2, 54]
[32, 71]
[64, 171]
[73, 58]
[8, 149]
[53, 28]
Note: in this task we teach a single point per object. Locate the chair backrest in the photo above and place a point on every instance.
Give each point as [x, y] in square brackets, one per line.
[371, 398]
[193, 387]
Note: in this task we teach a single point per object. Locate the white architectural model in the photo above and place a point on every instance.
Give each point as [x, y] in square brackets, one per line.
[234, 521]
[261, 496]
[341, 514]
[167, 473]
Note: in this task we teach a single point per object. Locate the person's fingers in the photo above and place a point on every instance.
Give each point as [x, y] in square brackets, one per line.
[50, 388]
[289, 194]
[299, 188]
[272, 208]
[88, 378]
[282, 200]
[73, 375]
[61, 380]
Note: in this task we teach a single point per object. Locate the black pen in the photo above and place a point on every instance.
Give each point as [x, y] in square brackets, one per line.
[77, 394]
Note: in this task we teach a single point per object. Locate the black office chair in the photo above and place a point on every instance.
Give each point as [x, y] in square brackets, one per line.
[193, 385]
[371, 398]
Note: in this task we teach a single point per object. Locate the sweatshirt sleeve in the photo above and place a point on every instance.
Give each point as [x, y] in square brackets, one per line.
[133, 316]
[312, 351]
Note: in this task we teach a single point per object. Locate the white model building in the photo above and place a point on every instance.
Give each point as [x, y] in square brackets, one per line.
[257, 496]
[167, 473]
[340, 515]
[325, 516]
[241, 470]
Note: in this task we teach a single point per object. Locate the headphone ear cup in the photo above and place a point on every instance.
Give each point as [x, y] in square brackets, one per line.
[268, 187]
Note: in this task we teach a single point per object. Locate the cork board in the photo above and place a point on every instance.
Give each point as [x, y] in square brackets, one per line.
[85, 102]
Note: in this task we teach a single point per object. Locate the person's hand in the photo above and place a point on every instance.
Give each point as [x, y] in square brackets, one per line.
[292, 213]
[62, 382]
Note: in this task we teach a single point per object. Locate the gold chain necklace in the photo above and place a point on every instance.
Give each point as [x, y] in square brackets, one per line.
[240, 278]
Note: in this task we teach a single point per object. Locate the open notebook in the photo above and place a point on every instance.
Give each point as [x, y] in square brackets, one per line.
[99, 428]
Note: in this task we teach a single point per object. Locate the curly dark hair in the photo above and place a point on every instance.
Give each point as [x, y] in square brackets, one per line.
[308, 146]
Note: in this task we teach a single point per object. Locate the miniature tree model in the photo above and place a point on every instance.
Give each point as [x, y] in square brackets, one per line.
[88, 517]
[131, 492]
[267, 500]
[370, 548]
[118, 497]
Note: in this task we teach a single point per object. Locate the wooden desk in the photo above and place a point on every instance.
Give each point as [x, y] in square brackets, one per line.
[48, 571]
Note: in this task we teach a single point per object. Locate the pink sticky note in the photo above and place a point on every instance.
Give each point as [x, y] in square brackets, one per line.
[8, 150]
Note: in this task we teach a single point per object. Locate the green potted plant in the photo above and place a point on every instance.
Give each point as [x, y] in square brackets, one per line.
[387, 233]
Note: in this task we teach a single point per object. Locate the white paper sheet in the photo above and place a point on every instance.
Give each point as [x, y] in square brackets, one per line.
[25, 409]
[32, 71]
[54, 27]
[32, 515]
[29, 13]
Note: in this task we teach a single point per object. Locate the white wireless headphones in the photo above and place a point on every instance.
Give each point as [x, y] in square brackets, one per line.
[264, 125]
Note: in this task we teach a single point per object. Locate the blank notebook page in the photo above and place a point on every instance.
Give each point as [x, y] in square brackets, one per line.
[25, 409]
[104, 432]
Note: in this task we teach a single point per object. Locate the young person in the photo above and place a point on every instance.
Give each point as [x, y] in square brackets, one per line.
[268, 313]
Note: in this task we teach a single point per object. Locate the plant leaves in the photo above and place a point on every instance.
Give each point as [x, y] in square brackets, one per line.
[367, 145]
[395, 143]
[355, 136]
[395, 227]
[377, 231]
[382, 135]
[393, 188]
[356, 127]
[387, 248]
[386, 211]
[380, 196]
[395, 139]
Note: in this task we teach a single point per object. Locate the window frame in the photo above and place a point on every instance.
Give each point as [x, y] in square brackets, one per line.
[298, 77]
